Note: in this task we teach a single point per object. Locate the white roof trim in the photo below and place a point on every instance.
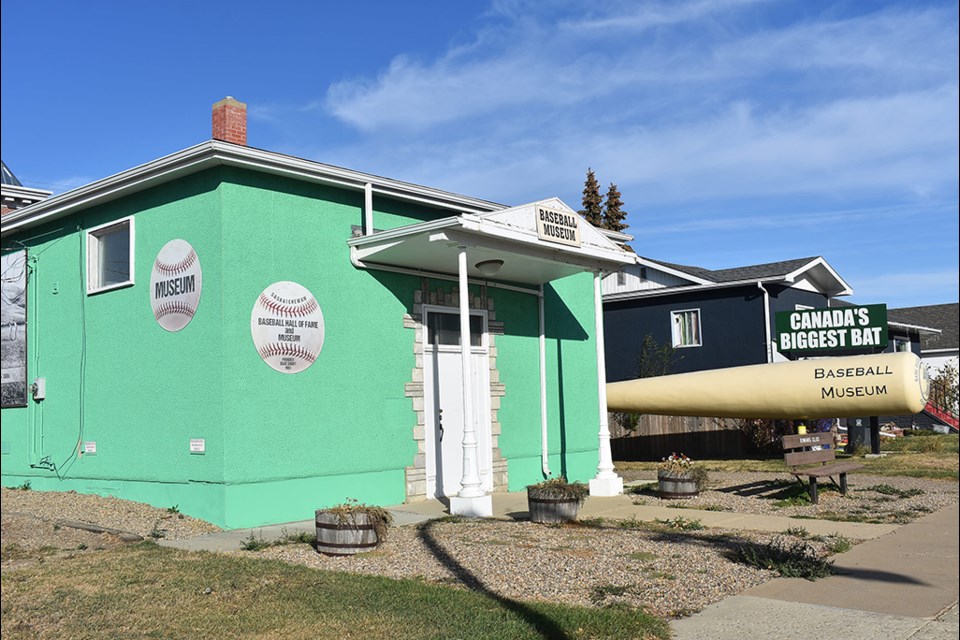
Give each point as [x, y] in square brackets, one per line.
[616, 236]
[918, 327]
[215, 153]
[819, 261]
[27, 193]
[509, 234]
[652, 293]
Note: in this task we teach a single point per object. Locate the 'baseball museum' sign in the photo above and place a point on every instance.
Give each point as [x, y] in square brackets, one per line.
[287, 327]
[835, 329]
[175, 284]
[558, 226]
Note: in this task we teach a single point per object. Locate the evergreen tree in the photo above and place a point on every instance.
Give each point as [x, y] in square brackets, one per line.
[592, 210]
[613, 216]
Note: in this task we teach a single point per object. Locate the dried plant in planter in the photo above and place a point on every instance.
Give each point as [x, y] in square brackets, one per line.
[350, 528]
[347, 513]
[559, 489]
[555, 500]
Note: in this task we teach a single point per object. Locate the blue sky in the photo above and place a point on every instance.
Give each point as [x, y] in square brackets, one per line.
[738, 131]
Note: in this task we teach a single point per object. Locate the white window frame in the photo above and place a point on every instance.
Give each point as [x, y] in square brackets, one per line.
[898, 341]
[677, 338]
[93, 255]
[455, 311]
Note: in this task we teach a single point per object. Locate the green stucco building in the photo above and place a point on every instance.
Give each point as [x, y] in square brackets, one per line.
[251, 336]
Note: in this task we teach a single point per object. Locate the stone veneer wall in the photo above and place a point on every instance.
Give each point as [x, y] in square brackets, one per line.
[416, 474]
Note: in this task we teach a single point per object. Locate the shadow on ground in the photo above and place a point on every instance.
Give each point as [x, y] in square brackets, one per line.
[542, 624]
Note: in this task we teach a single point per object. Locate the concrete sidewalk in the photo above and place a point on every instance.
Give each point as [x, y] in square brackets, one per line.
[900, 583]
[903, 585]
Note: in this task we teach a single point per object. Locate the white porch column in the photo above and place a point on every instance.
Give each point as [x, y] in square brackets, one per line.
[544, 449]
[607, 483]
[472, 500]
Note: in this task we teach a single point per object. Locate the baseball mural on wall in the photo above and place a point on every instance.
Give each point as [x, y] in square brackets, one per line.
[287, 327]
[175, 284]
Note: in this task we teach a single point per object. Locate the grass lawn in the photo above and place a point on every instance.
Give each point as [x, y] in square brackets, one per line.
[146, 591]
[918, 456]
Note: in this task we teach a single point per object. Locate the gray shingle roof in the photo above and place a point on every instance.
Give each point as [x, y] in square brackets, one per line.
[936, 316]
[750, 272]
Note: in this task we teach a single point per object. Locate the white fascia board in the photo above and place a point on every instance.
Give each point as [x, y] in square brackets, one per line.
[616, 236]
[501, 232]
[944, 350]
[384, 186]
[130, 181]
[646, 262]
[213, 153]
[844, 288]
[469, 229]
[26, 193]
[399, 233]
[666, 291]
[917, 327]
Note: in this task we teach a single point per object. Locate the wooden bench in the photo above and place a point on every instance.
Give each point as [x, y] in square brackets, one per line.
[811, 455]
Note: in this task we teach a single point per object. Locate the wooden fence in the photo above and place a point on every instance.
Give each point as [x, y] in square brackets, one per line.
[658, 436]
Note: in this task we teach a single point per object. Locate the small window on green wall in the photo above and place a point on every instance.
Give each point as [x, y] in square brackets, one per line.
[110, 256]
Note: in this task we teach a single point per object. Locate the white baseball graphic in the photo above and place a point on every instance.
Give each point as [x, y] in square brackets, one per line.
[175, 284]
[287, 327]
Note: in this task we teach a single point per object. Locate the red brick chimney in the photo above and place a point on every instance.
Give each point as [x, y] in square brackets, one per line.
[230, 121]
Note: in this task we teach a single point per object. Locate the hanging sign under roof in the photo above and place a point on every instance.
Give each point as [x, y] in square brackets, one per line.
[554, 225]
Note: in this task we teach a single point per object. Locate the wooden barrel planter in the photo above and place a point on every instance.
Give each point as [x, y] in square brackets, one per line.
[353, 534]
[677, 487]
[553, 510]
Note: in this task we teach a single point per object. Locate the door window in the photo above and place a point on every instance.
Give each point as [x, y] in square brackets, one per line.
[443, 329]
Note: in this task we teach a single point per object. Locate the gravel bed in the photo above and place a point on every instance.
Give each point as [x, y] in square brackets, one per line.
[666, 573]
[46, 508]
[881, 499]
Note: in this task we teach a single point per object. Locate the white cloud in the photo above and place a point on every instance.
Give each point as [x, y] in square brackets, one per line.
[551, 65]
[899, 288]
[903, 145]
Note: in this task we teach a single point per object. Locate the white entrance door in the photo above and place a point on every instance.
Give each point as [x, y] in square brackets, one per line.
[443, 400]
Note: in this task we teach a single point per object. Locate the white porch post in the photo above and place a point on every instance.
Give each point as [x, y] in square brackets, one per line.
[607, 483]
[472, 500]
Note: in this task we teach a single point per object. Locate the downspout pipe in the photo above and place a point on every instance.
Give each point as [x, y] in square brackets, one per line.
[545, 450]
[766, 322]
[368, 209]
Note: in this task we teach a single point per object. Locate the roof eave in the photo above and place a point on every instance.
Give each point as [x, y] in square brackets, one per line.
[916, 327]
[841, 287]
[215, 153]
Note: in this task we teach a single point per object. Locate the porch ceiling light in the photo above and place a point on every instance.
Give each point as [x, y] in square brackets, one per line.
[489, 267]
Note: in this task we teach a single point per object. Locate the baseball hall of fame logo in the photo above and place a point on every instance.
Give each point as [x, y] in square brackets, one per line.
[175, 284]
[287, 327]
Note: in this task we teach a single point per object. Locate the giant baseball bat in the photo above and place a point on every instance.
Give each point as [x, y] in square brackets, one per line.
[888, 384]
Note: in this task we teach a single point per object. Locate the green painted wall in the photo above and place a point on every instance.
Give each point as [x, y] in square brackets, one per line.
[573, 417]
[346, 415]
[278, 446]
[114, 376]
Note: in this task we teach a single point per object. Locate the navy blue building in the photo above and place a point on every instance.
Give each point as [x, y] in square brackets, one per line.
[711, 318]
